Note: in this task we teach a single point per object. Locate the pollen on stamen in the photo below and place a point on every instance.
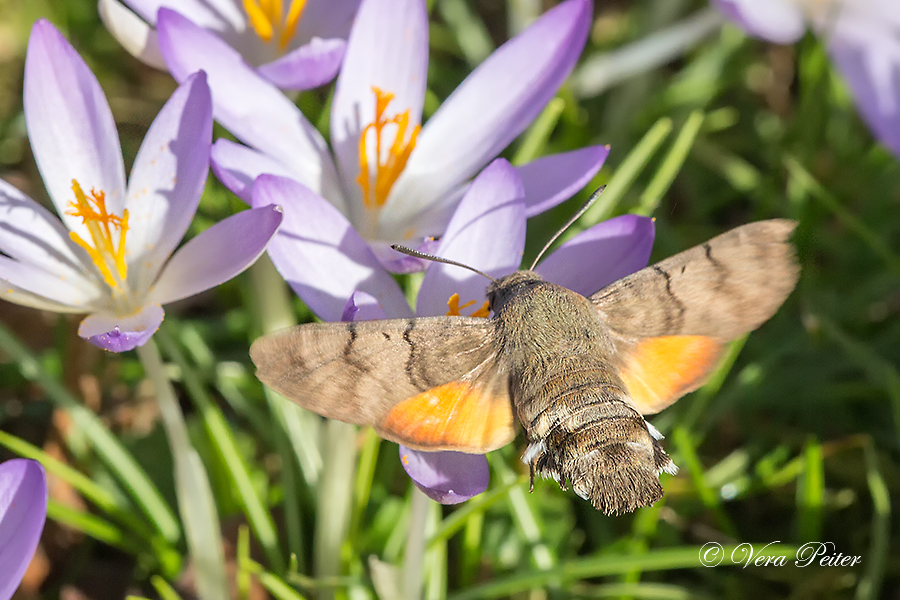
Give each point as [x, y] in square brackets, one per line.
[105, 251]
[387, 172]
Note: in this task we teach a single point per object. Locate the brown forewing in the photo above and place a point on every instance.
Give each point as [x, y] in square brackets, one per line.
[355, 372]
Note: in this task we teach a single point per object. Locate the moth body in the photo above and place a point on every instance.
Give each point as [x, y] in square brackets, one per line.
[580, 425]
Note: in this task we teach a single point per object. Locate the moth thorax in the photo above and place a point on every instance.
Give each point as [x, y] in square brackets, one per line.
[613, 460]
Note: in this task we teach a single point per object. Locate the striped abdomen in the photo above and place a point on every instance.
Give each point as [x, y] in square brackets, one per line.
[581, 429]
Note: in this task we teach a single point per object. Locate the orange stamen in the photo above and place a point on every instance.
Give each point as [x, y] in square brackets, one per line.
[453, 308]
[295, 12]
[386, 173]
[265, 17]
[105, 253]
[260, 20]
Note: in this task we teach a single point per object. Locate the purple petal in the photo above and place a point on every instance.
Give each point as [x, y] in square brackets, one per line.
[132, 32]
[238, 166]
[250, 107]
[320, 255]
[362, 307]
[326, 19]
[486, 232]
[72, 132]
[122, 333]
[493, 105]
[777, 21]
[387, 48]
[551, 179]
[446, 477]
[167, 179]
[218, 254]
[23, 510]
[605, 253]
[868, 55]
[307, 67]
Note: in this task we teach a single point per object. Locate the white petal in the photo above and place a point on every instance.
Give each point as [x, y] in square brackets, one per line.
[17, 295]
[52, 286]
[70, 126]
[494, 104]
[32, 235]
[167, 180]
[388, 49]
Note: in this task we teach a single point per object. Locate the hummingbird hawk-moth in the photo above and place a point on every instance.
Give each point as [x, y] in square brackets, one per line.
[578, 373]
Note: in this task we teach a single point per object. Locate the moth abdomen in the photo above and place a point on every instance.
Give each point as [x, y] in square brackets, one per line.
[601, 446]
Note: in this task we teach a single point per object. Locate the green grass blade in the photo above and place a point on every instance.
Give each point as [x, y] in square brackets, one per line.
[687, 453]
[876, 559]
[93, 526]
[195, 500]
[671, 165]
[625, 175]
[810, 494]
[537, 135]
[526, 518]
[334, 501]
[222, 438]
[810, 185]
[92, 492]
[110, 450]
[162, 587]
[605, 565]
[477, 505]
[273, 584]
[471, 35]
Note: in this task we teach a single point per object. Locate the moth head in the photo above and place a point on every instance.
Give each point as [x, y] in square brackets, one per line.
[501, 290]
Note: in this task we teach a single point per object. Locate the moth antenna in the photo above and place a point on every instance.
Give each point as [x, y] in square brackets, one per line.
[568, 224]
[431, 257]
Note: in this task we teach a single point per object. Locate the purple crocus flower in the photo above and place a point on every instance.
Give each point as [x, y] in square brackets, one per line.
[487, 231]
[295, 45]
[393, 181]
[23, 509]
[863, 40]
[110, 255]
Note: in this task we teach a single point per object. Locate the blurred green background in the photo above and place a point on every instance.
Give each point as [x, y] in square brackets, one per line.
[795, 439]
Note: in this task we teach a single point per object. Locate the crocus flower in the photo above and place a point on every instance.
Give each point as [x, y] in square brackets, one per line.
[109, 255]
[394, 180]
[295, 45]
[487, 232]
[23, 509]
[863, 40]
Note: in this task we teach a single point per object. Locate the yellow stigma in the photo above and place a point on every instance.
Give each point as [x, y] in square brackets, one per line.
[453, 308]
[385, 173]
[106, 254]
[266, 19]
